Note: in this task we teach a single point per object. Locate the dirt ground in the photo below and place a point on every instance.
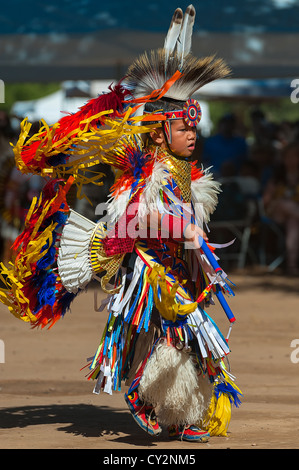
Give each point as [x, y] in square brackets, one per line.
[47, 403]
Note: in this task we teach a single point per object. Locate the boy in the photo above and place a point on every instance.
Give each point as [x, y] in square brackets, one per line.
[149, 254]
[168, 349]
[173, 405]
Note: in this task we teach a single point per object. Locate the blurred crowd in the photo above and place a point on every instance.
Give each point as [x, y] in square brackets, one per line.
[259, 164]
[262, 168]
[16, 189]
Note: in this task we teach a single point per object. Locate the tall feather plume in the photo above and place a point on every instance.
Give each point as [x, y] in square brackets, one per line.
[151, 70]
[173, 33]
[185, 38]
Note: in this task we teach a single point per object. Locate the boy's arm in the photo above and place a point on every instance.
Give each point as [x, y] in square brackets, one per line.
[177, 228]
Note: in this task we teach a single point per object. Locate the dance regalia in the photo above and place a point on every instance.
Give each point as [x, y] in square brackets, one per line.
[158, 337]
[155, 305]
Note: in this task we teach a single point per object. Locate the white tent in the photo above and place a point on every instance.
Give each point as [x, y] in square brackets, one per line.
[52, 107]
[234, 88]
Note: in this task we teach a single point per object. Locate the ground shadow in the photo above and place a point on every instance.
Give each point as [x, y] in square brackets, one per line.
[79, 419]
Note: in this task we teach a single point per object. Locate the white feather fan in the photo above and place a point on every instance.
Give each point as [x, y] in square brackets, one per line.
[73, 261]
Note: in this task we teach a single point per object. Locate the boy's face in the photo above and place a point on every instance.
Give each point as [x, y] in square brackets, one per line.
[183, 138]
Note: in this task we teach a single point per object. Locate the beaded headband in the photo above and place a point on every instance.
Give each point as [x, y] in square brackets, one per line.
[191, 113]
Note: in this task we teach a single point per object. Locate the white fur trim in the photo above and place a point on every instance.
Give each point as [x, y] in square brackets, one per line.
[171, 384]
[205, 191]
[150, 195]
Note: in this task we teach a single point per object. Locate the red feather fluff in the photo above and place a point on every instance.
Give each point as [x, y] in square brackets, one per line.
[114, 100]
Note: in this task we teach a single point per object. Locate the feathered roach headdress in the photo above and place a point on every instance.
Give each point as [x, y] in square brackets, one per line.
[150, 71]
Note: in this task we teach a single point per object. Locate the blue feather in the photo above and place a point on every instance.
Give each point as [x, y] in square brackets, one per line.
[137, 160]
[230, 391]
[47, 259]
[66, 301]
[59, 159]
[45, 281]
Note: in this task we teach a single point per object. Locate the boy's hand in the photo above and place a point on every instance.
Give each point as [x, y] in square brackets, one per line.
[192, 233]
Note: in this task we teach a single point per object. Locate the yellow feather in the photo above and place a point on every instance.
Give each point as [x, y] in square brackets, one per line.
[218, 416]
